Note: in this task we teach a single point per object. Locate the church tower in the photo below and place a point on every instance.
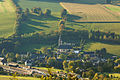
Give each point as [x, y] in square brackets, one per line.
[59, 41]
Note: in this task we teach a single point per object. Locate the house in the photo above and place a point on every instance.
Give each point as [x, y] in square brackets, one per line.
[28, 63]
[91, 54]
[64, 48]
[3, 61]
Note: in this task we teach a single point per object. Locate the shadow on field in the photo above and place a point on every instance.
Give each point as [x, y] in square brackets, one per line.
[27, 28]
[41, 24]
[68, 28]
[72, 18]
[52, 1]
[50, 18]
[111, 42]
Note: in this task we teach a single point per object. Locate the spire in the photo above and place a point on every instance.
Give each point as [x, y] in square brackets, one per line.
[59, 41]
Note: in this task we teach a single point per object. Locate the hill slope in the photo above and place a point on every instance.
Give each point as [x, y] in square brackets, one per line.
[7, 18]
[51, 24]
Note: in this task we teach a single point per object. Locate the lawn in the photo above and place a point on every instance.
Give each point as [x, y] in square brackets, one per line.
[4, 77]
[111, 48]
[7, 18]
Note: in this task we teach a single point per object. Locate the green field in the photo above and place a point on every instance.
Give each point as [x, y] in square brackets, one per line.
[111, 48]
[7, 18]
[4, 77]
[36, 23]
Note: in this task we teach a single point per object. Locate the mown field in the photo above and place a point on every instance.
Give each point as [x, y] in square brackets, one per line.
[91, 13]
[7, 18]
[4, 77]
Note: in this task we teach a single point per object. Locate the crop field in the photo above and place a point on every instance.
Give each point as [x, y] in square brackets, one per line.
[7, 18]
[111, 48]
[4, 77]
[91, 13]
[102, 17]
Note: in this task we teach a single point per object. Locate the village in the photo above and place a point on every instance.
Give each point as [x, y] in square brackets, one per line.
[27, 62]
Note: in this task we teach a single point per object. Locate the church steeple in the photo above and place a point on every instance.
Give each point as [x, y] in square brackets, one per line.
[59, 41]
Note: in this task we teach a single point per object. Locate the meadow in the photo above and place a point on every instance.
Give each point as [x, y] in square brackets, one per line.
[7, 18]
[111, 48]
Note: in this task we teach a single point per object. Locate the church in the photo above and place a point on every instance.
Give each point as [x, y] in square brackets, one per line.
[62, 47]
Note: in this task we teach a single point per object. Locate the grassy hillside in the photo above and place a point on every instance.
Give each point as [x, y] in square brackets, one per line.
[3, 77]
[36, 23]
[50, 24]
[7, 18]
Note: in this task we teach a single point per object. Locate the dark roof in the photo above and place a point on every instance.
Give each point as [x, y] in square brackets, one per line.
[88, 52]
[65, 47]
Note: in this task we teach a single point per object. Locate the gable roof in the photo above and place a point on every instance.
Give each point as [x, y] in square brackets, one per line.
[65, 47]
[1, 59]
